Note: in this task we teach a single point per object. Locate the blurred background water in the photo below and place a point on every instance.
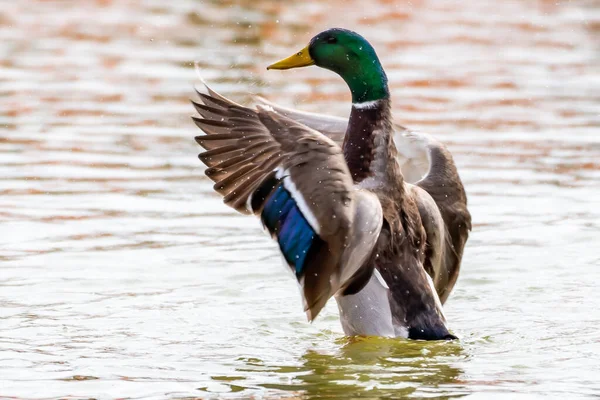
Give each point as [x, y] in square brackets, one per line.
[123, 275]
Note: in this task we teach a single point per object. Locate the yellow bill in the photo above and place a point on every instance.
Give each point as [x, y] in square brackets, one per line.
[300, 59]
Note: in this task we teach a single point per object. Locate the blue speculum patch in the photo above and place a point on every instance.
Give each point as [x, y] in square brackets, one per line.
[282, 217]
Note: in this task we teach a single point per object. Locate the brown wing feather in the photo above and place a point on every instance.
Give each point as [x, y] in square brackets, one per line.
[245, 147]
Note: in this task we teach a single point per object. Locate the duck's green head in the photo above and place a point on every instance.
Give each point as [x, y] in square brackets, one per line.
[349, 55]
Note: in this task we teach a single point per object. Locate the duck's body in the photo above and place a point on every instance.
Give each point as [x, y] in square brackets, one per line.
[332, 193]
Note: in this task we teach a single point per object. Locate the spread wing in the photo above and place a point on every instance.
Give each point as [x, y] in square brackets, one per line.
[296, 180]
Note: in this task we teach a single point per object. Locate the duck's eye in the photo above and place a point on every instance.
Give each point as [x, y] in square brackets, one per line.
[331, 40]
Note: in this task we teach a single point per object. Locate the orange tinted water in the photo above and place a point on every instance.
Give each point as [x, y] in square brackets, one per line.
[123, 275]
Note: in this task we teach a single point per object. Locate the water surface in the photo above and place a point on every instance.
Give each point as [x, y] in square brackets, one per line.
[123, 275]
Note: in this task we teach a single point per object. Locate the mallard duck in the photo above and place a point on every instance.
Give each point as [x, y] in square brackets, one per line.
[334, 193]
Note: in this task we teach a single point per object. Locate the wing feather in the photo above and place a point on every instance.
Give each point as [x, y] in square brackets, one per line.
[296, 179]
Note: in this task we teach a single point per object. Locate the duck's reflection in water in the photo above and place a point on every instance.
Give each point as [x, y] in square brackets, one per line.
[374, 368]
